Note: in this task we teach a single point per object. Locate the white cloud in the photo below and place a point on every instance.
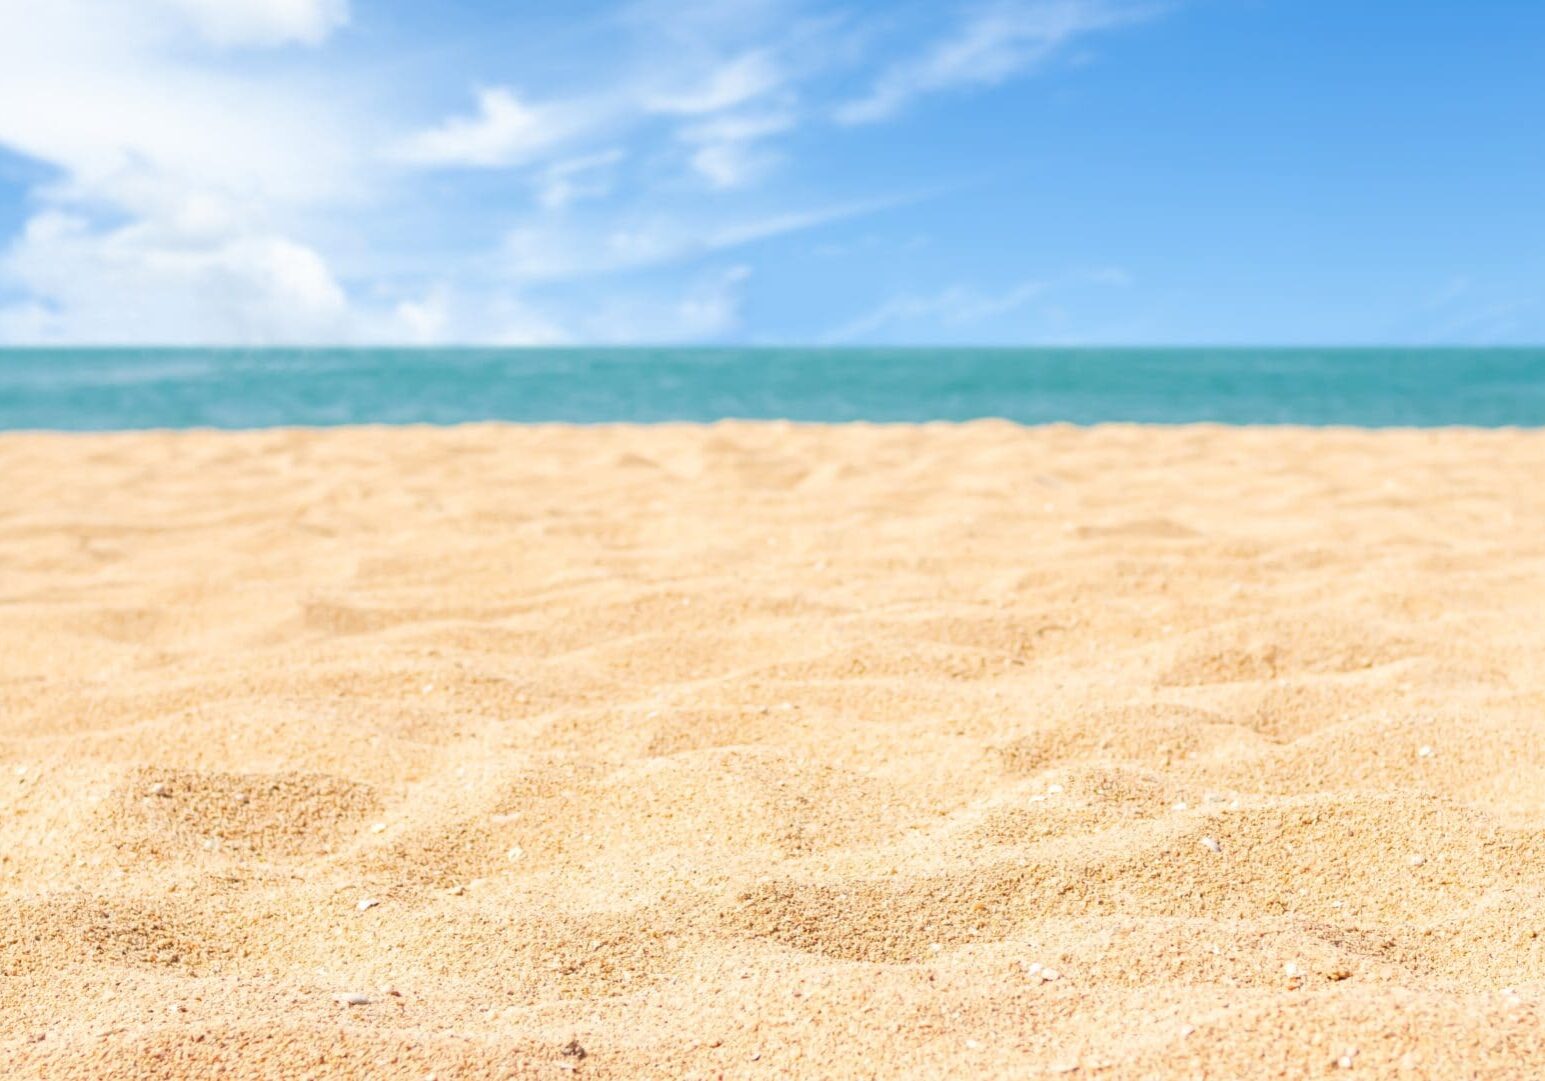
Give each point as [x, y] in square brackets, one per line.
[140, 282]
[717, 71]
[425, 320]
[264, 22]
[178, 183]
[705, 308]
[505, 131]
[130, 120]
[143, 283]
[992, 45]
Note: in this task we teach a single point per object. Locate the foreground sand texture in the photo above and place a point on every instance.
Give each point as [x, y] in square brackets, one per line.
[769, 751]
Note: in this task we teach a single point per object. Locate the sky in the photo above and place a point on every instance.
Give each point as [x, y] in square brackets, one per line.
[984, 172]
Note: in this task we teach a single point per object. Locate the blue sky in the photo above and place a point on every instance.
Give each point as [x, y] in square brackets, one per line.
[772, 171]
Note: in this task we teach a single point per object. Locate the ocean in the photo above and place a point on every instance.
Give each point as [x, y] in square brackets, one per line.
[107, 389]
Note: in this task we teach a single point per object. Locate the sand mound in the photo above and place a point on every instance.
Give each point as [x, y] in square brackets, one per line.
[765, 750]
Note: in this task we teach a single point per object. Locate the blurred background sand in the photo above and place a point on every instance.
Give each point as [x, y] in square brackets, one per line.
[755, 750]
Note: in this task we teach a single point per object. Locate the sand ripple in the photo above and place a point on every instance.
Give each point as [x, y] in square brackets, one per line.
[759, 750]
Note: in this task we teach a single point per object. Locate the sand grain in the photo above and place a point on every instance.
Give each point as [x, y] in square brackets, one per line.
[758, 750]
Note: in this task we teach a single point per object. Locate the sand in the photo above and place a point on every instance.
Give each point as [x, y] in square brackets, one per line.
[771, 751]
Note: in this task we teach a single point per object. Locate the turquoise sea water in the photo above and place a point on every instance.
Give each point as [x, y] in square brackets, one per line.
[161, 388]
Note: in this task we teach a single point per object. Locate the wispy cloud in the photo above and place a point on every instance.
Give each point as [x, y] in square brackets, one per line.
[990, 45]
[959, 308]
[746, 232]
[1466, 310]
[504, 131]
[956, 306]
[739, 80]
[573, 179]
[548, 250]
[728, 150]
[722, 108]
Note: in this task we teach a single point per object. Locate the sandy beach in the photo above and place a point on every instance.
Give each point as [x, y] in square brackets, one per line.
[756, 750]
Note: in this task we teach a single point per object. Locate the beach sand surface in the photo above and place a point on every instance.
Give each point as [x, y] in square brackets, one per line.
[759, 750]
